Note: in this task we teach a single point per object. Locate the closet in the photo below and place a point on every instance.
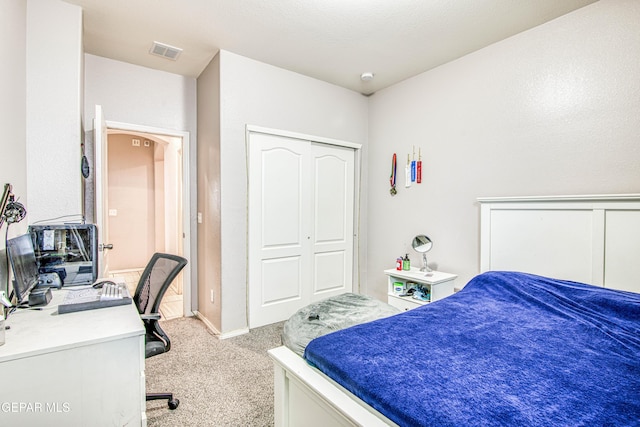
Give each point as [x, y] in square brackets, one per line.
[301, 223]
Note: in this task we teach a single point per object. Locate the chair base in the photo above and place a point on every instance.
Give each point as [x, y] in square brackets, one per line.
[173, 403]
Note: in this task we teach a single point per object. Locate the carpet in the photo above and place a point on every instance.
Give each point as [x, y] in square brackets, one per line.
[218, 382]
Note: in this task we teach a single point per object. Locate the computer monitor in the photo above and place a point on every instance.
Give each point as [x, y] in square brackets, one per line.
[71, 250]
[24, 266]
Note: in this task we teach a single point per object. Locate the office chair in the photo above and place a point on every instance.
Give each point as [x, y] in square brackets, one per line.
[154, 282]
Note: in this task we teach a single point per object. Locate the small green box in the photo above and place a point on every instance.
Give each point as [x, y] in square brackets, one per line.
[398, 288]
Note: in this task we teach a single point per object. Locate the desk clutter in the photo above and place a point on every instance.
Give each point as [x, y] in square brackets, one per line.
[40, 296]
[109, 294]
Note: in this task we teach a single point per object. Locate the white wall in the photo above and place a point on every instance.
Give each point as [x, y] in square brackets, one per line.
[133, 94]
[553, 110]
[258, 94]
[145, 97]
[13, 24]
[53, 106]
[40, 120]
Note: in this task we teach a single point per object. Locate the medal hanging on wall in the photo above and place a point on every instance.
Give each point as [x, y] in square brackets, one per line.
[392, 179]
[419, 167]
[413, 165]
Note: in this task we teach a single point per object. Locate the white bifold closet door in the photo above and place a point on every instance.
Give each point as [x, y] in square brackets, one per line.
[301, 219]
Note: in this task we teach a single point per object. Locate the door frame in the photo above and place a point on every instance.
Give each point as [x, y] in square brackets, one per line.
[186, 197]
[249, 129]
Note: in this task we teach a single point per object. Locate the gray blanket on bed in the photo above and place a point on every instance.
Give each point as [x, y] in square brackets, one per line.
[329, 315]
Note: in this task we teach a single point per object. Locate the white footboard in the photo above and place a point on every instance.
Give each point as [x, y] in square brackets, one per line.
[306, 397]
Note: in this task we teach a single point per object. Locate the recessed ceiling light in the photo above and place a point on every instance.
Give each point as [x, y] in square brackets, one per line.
[365, 77]
[165, 51]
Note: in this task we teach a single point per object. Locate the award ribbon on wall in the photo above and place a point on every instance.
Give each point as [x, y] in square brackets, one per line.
[407, 172]
[392, 179]
[413, 165]
[419, 167]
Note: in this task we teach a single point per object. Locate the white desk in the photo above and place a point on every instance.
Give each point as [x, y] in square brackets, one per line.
[75, 369]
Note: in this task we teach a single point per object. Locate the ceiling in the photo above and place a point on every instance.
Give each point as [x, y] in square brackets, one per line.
[331, 40]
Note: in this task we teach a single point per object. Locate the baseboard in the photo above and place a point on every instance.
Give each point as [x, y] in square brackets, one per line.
[127, 270]
[206, 322]
[216, 332]
[235, 333]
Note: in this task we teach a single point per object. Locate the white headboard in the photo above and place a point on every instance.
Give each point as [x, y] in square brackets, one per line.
[590, 239]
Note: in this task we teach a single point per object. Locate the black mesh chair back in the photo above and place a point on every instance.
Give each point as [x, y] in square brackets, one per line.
[154, 282]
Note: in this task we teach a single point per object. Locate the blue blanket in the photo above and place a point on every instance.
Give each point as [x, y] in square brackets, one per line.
[510, 349]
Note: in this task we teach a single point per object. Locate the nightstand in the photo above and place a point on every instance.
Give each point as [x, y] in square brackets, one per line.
[436, 284]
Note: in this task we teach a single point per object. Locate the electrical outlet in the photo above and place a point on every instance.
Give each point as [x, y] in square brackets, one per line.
[211, 295]
[135, 142]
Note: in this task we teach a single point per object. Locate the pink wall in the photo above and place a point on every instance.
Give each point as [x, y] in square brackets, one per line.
[132, 195]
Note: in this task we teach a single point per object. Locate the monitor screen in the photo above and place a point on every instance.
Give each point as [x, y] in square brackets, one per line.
[24, 265]
[71, 250]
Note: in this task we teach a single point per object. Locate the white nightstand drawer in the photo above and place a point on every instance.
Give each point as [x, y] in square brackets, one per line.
[403, 303]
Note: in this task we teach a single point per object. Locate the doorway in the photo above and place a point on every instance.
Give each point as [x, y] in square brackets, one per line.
[171, 210]
[144, 207]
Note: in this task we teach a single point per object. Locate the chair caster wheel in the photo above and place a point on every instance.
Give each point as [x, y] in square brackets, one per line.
[173, 404]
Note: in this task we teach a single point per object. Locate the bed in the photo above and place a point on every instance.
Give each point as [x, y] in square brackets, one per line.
[514, 348]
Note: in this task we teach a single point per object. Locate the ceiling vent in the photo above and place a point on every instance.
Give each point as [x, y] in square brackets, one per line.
[164, 50]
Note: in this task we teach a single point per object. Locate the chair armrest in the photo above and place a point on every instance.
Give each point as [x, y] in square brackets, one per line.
[154, 316]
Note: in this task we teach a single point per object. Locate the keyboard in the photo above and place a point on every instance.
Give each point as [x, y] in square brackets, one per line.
[113, 291]
[89, 298]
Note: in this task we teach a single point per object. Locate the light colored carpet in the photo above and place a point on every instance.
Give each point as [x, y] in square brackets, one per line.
[218, 382]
